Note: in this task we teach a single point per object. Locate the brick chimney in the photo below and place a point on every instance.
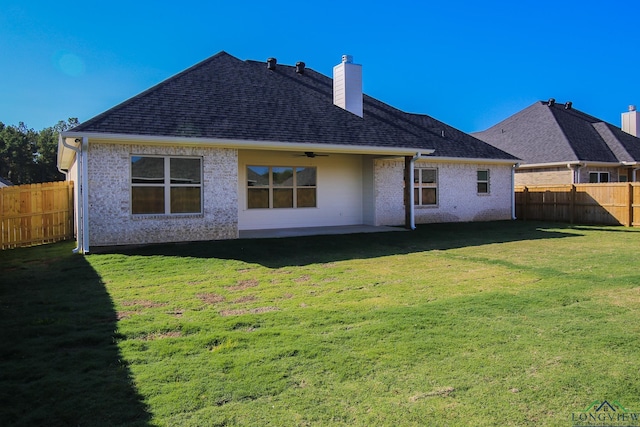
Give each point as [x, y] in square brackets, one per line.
[631, 121]
[347, 85]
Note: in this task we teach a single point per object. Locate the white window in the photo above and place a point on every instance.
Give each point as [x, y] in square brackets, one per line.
[273, 187]
[425, 186]
[595, 177]
[483, 181]
[166, 185]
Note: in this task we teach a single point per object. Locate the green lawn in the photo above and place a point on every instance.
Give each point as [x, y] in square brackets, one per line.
[503, 323]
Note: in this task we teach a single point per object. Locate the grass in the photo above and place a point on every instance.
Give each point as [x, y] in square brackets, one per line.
[504, 323]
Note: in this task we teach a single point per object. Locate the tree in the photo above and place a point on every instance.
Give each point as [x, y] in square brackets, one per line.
[27, 156]
[47, 151]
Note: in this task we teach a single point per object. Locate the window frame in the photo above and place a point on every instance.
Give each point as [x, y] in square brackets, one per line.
[599, 175]
[480, 182]
[166, 185]
[271, 186]
[419, 185]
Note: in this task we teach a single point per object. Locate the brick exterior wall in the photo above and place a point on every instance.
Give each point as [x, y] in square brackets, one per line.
[110, 218]
[458, 199]
[550, 176]
[561, 175]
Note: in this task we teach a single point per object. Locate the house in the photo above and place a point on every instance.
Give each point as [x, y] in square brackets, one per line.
[559, 144]
[231, 145]
[5, 182]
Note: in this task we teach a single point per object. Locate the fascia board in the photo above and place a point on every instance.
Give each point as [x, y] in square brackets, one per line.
[66, 156]
[469, 160]
[246, 144]
[568, 164]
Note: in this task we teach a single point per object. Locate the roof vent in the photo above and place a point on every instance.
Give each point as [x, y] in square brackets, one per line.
[271, 63]
[347, 58]
[552, 102]
[568, 105]
[632, 108]
[300, 67]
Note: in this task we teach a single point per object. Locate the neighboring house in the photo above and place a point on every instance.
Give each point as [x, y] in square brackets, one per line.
[5, 182]
[561, 145]
[230, 145]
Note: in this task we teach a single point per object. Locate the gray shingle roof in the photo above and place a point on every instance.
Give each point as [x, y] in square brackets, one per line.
[225, 97]
[543, 133]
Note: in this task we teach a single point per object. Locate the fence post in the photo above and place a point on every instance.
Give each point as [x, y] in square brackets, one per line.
[572, 203]
[629, 205]
[525, 197]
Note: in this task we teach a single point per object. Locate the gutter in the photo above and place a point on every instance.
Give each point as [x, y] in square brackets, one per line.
[248, 144]
[574, 163]
[468, 160]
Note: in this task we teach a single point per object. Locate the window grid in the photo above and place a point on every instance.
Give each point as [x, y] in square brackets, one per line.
[425, 186]
[284, 187]
[168, 193]
[597, 177]
[483, 181]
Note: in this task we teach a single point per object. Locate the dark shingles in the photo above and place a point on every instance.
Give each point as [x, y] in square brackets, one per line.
[224, 97]
[552, 134]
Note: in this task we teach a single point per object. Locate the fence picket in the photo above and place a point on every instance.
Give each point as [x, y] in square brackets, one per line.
[608, 204]
[34, 214]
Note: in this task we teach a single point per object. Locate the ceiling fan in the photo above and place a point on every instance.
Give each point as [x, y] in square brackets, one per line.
[311, 154]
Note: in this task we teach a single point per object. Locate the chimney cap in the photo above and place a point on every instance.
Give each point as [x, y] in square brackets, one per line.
[347, 58]
[632, 108]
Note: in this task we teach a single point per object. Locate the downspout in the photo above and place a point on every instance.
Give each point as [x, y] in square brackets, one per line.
[513, 191]
[412, 209]
[634, 174]
[575, 167]
[79, 233]
[84, 196]
[82, 238]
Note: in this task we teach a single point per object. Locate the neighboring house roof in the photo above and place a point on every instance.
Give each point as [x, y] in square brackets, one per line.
[547, 132]
[5, 182]
[224, 97]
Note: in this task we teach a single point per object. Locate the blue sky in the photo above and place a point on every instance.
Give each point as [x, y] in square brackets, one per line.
[467, 63]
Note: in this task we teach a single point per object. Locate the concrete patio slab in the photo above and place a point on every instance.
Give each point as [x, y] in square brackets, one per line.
[315, 231]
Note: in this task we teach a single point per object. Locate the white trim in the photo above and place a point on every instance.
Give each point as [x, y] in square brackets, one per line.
[568, 164]
[469, 160]
[240, 144]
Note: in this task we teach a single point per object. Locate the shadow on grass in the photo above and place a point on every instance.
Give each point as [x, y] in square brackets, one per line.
[60, 363]
[298, 251]
[608, 228]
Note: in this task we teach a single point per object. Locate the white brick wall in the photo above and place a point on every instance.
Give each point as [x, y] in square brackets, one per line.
[110, 218]
[458, 199]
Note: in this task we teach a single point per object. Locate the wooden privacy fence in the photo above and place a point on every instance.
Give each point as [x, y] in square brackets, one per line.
[33, 214]
[609, 204]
